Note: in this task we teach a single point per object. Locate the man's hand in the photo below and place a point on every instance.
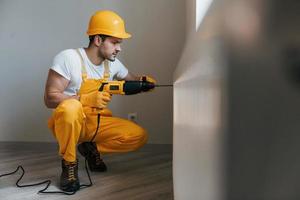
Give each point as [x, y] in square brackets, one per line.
[95, 99]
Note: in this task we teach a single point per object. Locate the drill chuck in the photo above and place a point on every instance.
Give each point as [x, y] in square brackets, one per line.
[134, 87]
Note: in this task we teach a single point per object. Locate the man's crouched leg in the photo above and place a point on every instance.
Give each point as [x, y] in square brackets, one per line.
[119, 135]
[68, 119]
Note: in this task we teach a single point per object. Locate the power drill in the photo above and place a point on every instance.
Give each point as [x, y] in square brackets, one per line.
[123, 88]
[128, 87]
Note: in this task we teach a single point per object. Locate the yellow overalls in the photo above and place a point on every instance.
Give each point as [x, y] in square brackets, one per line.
[71, 123]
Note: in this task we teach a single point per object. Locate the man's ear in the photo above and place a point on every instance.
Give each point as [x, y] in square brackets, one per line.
[97, 40]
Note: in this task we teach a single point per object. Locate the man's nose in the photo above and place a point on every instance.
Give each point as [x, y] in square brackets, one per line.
[118, 48]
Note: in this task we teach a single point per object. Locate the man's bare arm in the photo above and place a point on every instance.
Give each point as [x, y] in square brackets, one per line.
[55, 86]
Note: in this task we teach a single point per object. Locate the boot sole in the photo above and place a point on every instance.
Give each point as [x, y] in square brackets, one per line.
[70, 188]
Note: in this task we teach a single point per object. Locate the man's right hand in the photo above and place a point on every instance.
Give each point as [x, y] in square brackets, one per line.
[95, 99]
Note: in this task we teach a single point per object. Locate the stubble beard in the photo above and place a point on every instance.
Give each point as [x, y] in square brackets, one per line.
[112, 58]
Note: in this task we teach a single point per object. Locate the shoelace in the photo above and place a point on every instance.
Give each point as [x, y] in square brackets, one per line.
[71, 174]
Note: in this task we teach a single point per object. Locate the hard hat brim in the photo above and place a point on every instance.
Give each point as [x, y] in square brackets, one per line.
[109, 33]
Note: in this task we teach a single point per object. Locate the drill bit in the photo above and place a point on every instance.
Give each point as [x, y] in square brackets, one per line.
[163, 85]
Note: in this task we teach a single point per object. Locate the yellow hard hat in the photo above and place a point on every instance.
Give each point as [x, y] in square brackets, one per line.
[107, 22]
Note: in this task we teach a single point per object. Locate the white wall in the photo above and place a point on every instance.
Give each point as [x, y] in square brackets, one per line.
[263, 127]
[198, 109]
[236, 103]
[32, 32]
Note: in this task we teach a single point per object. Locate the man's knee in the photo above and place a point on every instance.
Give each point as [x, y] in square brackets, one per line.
[135, 135]
[70, 110]
[143, 137]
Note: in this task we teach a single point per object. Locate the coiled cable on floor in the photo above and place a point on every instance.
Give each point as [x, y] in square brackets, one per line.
[47, 182]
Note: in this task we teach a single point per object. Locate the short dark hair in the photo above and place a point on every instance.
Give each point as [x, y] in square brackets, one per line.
[103, 37]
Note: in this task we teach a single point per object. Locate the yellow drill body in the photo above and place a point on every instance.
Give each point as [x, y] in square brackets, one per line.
[113, 87]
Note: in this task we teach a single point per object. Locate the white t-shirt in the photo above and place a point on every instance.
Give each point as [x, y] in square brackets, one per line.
[68, 64]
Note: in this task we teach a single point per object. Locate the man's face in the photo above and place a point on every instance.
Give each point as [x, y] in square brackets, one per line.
[110, 48]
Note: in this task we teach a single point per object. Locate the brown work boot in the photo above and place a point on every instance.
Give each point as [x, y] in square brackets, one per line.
[90, 152]
[69, 180]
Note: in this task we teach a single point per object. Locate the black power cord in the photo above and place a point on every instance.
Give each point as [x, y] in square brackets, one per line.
[48, 182]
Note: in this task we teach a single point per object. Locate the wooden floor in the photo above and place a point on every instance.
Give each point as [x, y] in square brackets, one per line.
[145, 174]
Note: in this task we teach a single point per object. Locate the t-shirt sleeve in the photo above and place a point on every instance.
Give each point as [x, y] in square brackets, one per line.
[61, 64]
[122, 70]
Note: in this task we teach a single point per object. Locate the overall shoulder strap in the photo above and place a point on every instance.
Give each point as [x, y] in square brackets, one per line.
[106, 70]
[83, 70]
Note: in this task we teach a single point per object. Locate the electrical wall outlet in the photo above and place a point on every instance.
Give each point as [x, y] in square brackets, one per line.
[132, 117]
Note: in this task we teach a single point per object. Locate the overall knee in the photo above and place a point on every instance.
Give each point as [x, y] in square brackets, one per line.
[69, 110]
[136, 135]
[143, 136]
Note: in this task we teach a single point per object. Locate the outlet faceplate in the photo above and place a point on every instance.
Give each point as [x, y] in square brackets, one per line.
[132, 117]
